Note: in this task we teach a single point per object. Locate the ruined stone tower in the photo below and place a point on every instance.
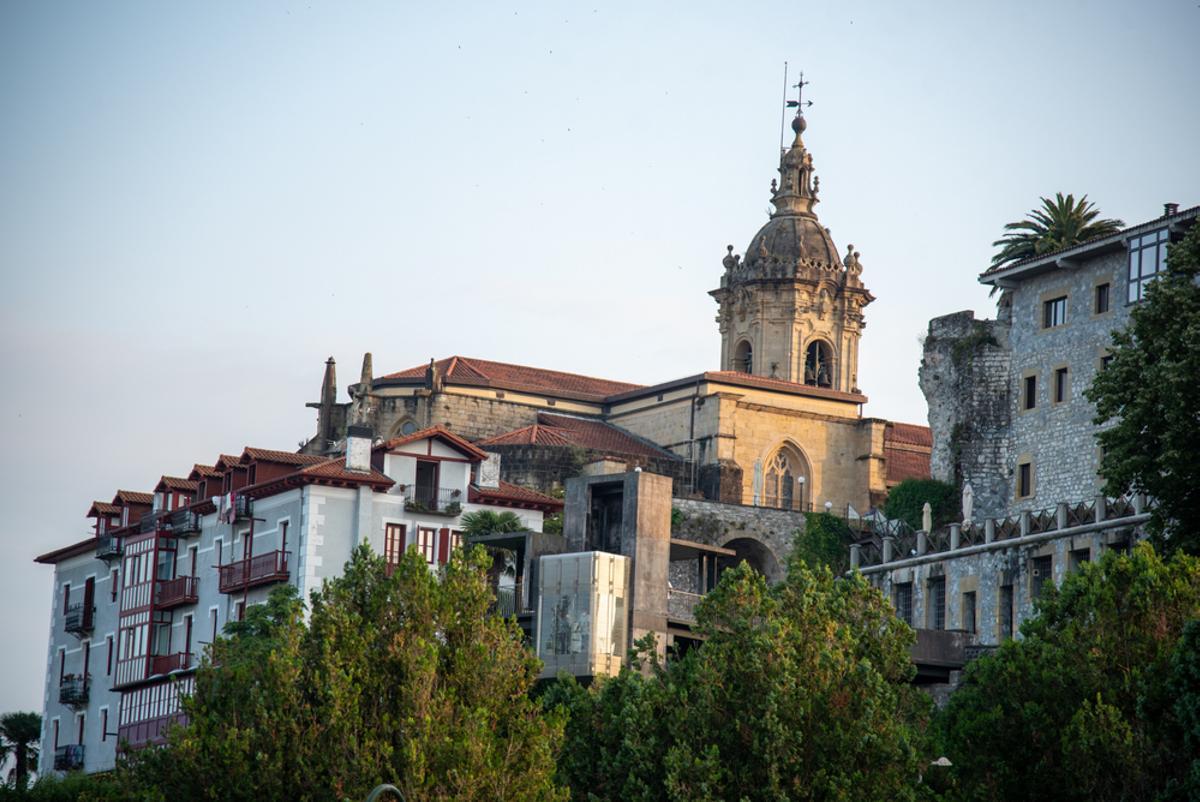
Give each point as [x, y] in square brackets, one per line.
[791, 309]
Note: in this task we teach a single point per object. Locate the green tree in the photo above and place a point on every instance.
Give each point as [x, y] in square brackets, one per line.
[1083, 707]
[1059, 223]
[906, 501]
[19, 736]
[400, 678]
[1148, 397]
[799, 691]
[488, 522]
[824, 542]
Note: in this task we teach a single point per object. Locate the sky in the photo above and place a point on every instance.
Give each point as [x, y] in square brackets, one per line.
[201, 202]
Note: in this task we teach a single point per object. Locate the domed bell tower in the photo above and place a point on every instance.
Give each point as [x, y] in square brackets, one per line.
[792, 309]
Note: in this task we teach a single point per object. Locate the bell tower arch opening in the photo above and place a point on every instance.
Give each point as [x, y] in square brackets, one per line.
[743, 357]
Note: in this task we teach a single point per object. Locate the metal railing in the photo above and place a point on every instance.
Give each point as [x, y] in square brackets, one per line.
[511, 600]
[78, 618]
[151, 731]
[68, 758]
[166, 663]
[262, 569]
[183, 522]
[108, 547]
[445, 501]
[73, 689]
[174, 592]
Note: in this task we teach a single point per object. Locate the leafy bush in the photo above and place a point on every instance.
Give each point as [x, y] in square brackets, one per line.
[906, 500]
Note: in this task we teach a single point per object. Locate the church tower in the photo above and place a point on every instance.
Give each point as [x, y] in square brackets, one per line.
[792, 309]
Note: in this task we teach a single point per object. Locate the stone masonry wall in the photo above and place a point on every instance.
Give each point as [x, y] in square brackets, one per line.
[965, 376]
[716, 524]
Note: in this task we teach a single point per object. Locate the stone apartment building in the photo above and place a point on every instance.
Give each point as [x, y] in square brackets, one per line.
[1011, 426]
[135, 604]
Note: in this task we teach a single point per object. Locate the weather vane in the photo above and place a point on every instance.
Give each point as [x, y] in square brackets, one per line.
[799, 104]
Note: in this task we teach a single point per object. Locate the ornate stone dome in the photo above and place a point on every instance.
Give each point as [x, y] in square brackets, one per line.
[791, 238]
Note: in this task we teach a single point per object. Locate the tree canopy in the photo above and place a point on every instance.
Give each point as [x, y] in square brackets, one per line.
[397, 678]
[1059, 223]
[1099, 700]
[1148, 397]
[800, 691]
[489, 522]
[906, 501]
[19, 737]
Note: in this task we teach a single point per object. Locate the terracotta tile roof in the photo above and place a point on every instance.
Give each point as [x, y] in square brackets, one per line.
[99, 508]
[514, 495]
[504, 376]
[204, 472]
[907, 447]
[902, 464]
[439, 432]
[908, 433]
[738, 378]
[176, 483]
[336, 469]
[281, 457]
[566, 431]
[124, 497]
[226, 461]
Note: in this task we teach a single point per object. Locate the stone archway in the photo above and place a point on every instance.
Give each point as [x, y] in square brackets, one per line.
[757, 554]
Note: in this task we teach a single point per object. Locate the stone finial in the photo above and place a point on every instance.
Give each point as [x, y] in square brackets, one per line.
[927, 517]
[730, 260]
[366, 377]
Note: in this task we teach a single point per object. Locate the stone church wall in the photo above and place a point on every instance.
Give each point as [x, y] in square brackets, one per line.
[546, 468]
[716, 524]
[964, 375]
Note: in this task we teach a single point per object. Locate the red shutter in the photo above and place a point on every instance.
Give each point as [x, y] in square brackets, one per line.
[89, 601]
[443, 555]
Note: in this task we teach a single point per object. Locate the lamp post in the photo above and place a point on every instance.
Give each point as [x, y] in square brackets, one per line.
[800, 480]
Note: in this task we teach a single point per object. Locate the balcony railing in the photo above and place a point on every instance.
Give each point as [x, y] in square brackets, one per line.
[183, 523]
[242, 508]
[146, 733]
[78, 618]
[510, 600]
[261, 570]
[68, 758]
[108, 547]
[445, 501]
[174, 592]
[166, 663]
[73, 690]
[148, 522]
[681, 605]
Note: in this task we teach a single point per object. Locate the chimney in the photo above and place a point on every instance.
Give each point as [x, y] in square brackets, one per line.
[358, 448]
[1170, 209]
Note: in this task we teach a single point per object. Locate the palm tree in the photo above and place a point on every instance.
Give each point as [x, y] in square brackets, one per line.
[1058, 224]
[487, 522]
[19, 736]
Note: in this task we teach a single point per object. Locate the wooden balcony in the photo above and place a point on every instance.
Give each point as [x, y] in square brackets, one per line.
[171, 593]
[73, 690]
[78, 618]
[166, 663]
[263, 569]
[68, 758]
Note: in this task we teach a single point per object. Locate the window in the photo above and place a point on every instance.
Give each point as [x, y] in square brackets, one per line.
[1147, 258]
[1029, 396]
[104, 724]
[1043, 572]
[968, 611]
[87, 657]
[1006, 612]
[1054, 312]
[212, 615]
[218, 547]
[55, 733]
[902, 601]
[116, 583]
[62, 664]
[818, 365]
[82, 719]
[393, 544]
[743, 357]
[1025, 480]
[1061, 385]
[784, 481]
[935, 618]
[1079, 557]
[193, 559]
[108, 643]
[455, 539]
[239, 611]
[66, 597]
[427, 543]
[1102, 298]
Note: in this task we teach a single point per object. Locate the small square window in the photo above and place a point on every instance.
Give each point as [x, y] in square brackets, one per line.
[1102, 298]
[1043, 572]
[936, 613]
[1025, 480]
[1054, 312]
[1030, 395]
[903, 602]
[968, 611]
[1062, 385]
[1105, 361]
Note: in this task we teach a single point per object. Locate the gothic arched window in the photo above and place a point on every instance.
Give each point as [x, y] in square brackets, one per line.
[743, 357]
[818, 364]
[784, 481]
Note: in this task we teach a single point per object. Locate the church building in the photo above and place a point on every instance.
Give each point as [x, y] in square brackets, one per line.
[778, 424]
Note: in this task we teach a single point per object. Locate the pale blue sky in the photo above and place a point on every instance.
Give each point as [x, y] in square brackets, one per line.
[200, 202]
